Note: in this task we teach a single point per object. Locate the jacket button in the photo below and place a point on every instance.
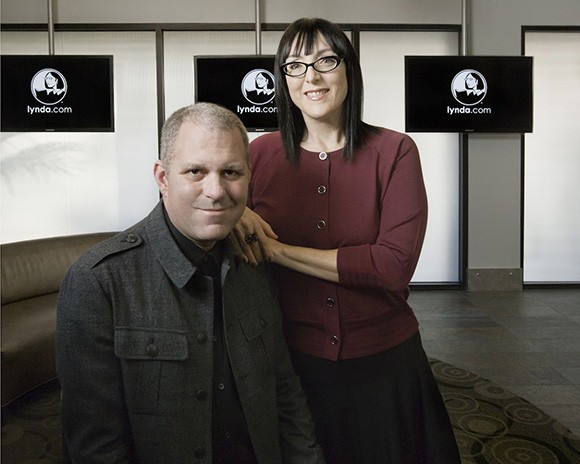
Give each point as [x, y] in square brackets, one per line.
[330, 302]
[151, 350]
[334, 340]
[199, 452]
[201, 395]
[201, 337]
[321, 224]
[262, 323]
[131, 238]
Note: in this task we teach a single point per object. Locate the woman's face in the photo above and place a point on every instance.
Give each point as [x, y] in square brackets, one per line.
[50, 81]
[261, 81]
[320, 96]
[470, 81]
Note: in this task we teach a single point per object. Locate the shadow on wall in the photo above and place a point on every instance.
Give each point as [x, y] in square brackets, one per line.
[50, 184]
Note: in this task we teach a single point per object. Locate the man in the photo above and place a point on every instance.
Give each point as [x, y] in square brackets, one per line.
[164, 357]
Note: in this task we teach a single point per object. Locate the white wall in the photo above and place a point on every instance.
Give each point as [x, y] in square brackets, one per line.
[65, 183]
[495, 173]
[495, 29]
[224, 11]
[552, 161]
[89, 184]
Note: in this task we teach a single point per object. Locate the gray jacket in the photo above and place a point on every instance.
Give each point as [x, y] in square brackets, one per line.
[134, 356]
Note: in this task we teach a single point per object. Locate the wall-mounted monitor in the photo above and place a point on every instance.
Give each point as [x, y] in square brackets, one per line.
[468, 94]
[243, 84]
[60, 93]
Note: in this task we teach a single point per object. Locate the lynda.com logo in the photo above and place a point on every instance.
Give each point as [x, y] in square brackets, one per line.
[469, 87]
[48, 86]
[258, 87]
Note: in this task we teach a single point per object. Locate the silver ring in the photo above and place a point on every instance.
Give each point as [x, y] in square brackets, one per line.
[251, 238]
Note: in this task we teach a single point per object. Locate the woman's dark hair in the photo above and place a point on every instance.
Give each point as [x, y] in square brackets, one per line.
[300, 37]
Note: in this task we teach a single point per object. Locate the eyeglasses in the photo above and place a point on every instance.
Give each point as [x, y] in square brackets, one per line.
[322, 65]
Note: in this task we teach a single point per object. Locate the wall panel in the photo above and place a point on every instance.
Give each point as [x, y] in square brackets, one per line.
[68, 183]
[382, 59]
[552, 161]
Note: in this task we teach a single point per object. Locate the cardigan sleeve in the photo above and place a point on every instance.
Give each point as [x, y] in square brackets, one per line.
[390, 261]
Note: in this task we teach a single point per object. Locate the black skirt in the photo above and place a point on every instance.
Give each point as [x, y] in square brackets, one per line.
[384, 408]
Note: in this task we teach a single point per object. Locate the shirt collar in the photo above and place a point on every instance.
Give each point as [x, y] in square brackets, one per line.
[194, 253]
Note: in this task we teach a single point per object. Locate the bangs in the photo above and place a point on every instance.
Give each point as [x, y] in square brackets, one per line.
[301, 37]
[303, 43]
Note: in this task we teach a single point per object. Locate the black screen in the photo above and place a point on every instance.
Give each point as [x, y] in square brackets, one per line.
[243, 84]
[468, 94]
[57, 93]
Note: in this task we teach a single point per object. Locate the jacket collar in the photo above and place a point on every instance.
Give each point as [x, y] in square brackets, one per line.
[175, 264]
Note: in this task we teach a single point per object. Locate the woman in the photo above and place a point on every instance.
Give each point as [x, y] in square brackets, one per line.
[340, 207]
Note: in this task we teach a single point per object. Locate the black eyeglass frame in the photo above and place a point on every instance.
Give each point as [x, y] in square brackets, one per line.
[313, 64]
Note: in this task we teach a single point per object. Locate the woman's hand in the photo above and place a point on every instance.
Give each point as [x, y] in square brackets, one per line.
[251, 236]
[257, 242]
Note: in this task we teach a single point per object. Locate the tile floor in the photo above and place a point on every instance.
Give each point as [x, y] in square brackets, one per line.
[527, 342]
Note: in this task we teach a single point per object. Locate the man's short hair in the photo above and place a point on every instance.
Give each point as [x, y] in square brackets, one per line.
[209, 115]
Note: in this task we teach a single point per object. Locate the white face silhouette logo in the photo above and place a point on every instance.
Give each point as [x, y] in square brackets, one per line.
[469, 87]
[258, 87]
[48, 86]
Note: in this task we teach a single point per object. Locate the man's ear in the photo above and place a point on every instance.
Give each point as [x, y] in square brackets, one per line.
[160, 175]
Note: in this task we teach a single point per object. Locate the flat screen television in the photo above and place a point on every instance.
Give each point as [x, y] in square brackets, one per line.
[468, 94]
[244, 84]
[61, 93]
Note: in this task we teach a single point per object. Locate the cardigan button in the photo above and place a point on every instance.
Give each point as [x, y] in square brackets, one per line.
[321, 224]
[334, 340]
[199, 452]
[201, 395]
[322, 190]
[322, 155]
[330, 302]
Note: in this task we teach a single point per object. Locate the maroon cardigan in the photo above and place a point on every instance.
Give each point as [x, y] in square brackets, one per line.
[373, 209]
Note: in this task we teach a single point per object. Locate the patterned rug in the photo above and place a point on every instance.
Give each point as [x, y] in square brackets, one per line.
[492, 425]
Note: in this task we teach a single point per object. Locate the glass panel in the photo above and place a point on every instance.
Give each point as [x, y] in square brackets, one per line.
[69, 183]
[552, 161]
[181, 47]
[384, 83]
[65, 183]
[382, 59]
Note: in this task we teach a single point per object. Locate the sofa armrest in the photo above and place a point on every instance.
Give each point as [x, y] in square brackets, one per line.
[32, 272]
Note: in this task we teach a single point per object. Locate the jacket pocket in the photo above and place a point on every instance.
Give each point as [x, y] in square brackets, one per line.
[154, 368]
[257, 329]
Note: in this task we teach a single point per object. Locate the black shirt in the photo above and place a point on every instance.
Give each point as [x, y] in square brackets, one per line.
[231, 439]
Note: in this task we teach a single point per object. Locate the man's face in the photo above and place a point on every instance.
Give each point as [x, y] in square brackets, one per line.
[205, 183]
